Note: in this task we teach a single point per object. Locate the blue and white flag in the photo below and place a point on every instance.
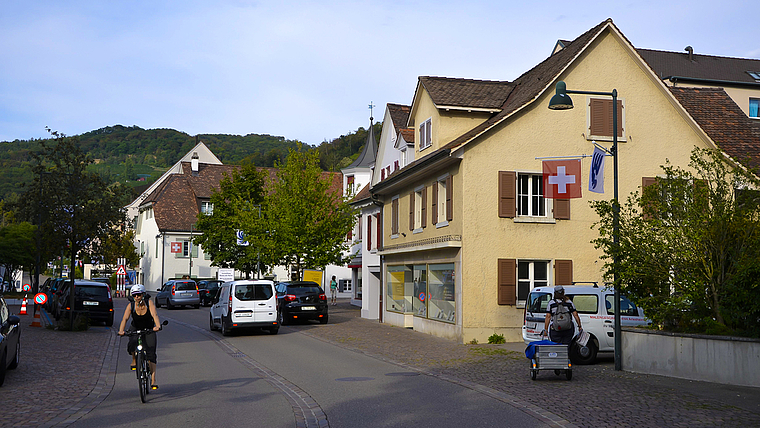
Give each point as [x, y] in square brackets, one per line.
[596, 175]
[241, 238]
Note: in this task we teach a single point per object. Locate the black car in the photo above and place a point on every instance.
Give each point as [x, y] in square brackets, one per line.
[55, 289]
[301, 300]
[90, 296]
[10, 340]
[207, 289]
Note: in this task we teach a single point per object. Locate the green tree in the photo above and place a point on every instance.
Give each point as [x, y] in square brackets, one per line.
[76, 210]
[689, 245]
[17, 247]
[237, 202]
[306, 217]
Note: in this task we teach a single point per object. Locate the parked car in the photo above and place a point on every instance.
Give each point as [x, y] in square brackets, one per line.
[207, 290]
[595, 308]
[245, 304]
[56, 289]
[103, 280]
[301, 300]
[90, 296]
[178, 292]
[10, 340]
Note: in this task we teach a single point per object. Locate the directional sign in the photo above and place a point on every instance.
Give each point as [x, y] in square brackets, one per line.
[40, 298]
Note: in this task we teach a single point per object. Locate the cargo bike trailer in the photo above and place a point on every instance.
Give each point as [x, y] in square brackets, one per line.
[551, 357]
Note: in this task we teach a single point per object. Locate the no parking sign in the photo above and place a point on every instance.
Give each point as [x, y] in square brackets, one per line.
[40, 298]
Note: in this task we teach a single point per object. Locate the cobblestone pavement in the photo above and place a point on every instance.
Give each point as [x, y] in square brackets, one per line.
[65, 374]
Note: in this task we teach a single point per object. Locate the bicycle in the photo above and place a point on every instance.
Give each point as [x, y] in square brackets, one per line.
[141, 358]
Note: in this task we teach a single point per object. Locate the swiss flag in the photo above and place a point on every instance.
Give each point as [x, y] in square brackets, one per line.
[176, 247]
[562, 179]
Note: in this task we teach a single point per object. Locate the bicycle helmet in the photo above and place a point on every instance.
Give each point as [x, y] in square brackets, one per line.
[137, 289]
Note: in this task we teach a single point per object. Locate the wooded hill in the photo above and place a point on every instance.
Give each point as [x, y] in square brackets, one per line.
[128, 154]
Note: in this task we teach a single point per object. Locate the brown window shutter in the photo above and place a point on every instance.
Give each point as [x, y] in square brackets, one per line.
[379, 226]
[562, 209]
[394, 217]
[434, 204]
[507, 277]
[507, 194]
[563, 272]
[648, 211]
[601, 117]
[449, 197]
[423, 221]
[369, 233]
[411, 210]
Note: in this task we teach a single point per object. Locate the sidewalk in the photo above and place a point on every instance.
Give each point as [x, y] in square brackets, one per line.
[65, 374]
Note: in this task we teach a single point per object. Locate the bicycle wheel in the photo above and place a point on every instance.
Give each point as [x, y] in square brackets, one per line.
[142, 376]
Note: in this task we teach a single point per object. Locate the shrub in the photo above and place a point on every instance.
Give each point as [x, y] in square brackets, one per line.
[496, 339]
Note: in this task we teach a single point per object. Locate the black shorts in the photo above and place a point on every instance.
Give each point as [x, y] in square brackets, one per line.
[149, 343]
[562, 337]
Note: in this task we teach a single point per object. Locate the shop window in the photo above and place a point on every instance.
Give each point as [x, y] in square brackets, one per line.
[400, 285]
[441, 289]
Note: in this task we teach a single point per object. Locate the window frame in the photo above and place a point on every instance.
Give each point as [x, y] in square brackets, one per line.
[593, 102]
[425, 133]
[543, 200]
[531, 279]
[757, 108]
[207, 207]
[395, 216]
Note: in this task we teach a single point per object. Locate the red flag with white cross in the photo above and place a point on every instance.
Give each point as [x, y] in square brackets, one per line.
[562, 178]
[176, 247]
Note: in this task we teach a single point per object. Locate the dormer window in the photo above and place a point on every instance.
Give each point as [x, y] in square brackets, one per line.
[755, 75]
[207, 208]
[426, 134]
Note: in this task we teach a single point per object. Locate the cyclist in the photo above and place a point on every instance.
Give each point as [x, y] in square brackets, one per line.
[144, 316]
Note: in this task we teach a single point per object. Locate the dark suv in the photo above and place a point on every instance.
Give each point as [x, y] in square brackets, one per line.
[301, 300]
[207, 289]
[89, 296]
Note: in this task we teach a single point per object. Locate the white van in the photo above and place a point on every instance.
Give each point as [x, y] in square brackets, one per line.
[595, 308]
[244, 304]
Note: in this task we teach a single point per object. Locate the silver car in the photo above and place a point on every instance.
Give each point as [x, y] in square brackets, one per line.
[178, 292]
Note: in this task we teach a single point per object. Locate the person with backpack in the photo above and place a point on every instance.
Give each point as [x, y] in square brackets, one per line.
[559, 318]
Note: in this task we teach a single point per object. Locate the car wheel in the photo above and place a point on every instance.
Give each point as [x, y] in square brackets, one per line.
[16, 356]
[169, 304]
[281, 318]
[274, 330]
[323, 320]
[211, 325]
[158, 305]
[225, 328]
[583, 355]
[2, 369]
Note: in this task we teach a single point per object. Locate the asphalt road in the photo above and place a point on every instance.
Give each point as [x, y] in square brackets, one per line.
[290, 379]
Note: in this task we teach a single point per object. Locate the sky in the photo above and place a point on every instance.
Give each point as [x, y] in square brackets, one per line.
[303, 70]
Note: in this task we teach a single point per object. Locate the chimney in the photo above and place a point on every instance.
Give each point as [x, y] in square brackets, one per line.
[194, 164]
[690, 50]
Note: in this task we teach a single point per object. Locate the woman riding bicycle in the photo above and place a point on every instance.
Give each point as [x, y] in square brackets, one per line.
[144, 316]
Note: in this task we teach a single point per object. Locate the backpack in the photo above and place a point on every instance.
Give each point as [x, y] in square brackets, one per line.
[562, 319]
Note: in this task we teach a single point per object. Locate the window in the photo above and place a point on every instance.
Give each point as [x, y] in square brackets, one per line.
[442, 210]
[187, 249]
[400, 285]
[369, 233]
[207, 208]
[599, 119]
[755, 75]
[754, 107]
[349, 184]
[530, 195]
[530, 274]
[378, 232]
[426, 290]
[426, 134]
[418, 218]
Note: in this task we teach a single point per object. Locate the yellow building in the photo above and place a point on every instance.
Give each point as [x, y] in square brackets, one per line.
[466, 228]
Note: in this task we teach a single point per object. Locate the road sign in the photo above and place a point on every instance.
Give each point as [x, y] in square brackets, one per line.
[40, 298]
[26, 287]
[121, 271]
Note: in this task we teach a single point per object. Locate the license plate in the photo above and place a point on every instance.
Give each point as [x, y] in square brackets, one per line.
[244, 314]
[86, 303]
[308, 308]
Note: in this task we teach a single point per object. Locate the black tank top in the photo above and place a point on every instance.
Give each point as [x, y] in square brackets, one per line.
[142, 322]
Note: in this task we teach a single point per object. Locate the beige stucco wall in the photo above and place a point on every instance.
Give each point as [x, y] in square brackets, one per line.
[446, 125]
[656, 131]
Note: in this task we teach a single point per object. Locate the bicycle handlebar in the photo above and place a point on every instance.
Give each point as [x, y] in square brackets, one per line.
[145, 331]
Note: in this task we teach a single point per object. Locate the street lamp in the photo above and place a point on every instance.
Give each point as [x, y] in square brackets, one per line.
[561, 101]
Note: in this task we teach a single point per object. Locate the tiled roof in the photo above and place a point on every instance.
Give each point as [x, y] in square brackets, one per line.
[399, 115]
[529, 85]
[408, 134]
[446, 91]
[667, 64]
[176, 201]
[723, 121]
[362, 195]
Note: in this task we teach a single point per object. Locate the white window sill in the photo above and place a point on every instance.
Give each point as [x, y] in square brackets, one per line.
[395, 236]
[419, 230]
[441, 224]
[530, 219]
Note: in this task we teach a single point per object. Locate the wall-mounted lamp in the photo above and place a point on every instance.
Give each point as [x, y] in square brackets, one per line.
[403, 234]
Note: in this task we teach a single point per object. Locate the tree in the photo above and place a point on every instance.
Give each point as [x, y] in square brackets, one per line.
[17, 245]
[75, 209]
[689, 245]
[305, 220]
[237, 201]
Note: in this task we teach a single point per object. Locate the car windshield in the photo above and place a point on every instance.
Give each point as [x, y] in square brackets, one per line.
[253, 292]
[184, 286]
[537, 302]
[91, 292]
